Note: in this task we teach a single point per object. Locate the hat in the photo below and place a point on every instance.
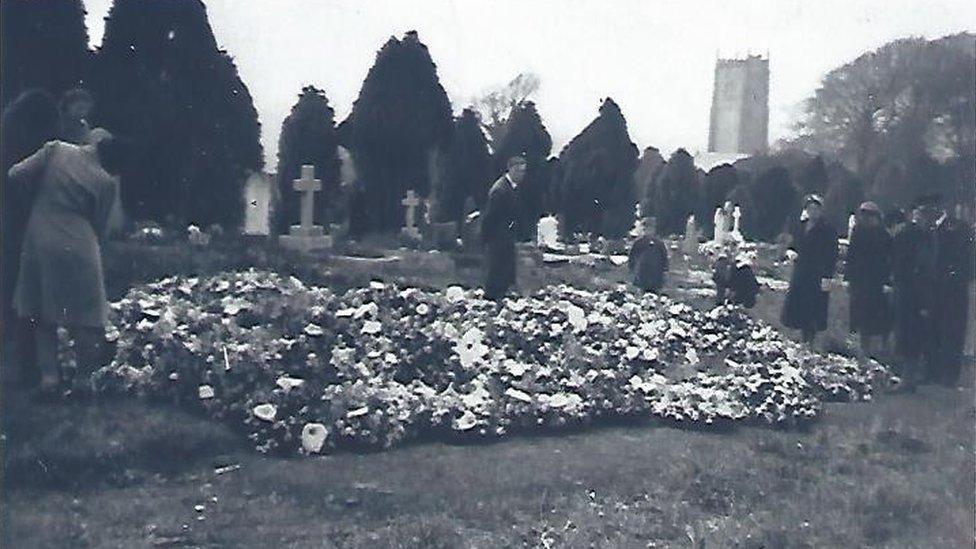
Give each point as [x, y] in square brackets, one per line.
[870, 207]
[813, 199]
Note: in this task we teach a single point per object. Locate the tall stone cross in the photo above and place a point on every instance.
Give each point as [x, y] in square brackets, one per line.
[411, 202]
[308, 186]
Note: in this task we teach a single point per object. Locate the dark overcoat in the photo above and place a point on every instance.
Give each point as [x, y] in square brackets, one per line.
[954, 264]
[499, 227]
[60, 279]
[805, 307]
[867, 271]
[648, 260]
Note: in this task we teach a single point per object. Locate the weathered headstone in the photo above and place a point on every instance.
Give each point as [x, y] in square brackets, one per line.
[257, 205]
[547, 233]
[690, 243]
[411, 201]
[307, 236]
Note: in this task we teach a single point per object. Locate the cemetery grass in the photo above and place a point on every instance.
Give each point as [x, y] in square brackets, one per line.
[896, 472]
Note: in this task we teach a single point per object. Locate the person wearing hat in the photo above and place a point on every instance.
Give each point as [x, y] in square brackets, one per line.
[805, 308]
[499, 227]
[867, 272]
[648, 259]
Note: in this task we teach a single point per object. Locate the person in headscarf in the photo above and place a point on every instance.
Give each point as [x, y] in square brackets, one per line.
[721, 272]
[743, 286]
[499, 227]
[60, 282]
[648, 259]
[867, 272]
[805, 308]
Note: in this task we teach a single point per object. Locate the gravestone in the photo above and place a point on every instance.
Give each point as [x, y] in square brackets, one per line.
[257, 205]
[736, 221]
[690, 243]
[547, 233]
[410, 230]
[306, 236]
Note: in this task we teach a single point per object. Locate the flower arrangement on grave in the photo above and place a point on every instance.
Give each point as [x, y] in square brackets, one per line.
[302, 369]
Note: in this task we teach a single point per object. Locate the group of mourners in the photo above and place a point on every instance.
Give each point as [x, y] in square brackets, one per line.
[908, 275]
[60, 198]
[908, 281]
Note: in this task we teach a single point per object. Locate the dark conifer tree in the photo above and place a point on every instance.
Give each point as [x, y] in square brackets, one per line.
[160, 80]
[401, 117]
[308, 136]
[776, 202]
[468, 169]
[813, 177]
[598, 176]
[525, 135]
[43, 44]
[716, 186]
[675, 193]
[648, 168]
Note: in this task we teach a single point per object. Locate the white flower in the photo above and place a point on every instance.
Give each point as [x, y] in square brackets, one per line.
[265, 412]
[372, 327]
[466, 421]
[313, 437]
[577, 318]
[631, 352]
[313, 330]
[471, 349]
[357, 412]
[515, 367]
[454, 293]
[376, 285]
[205, 392]
[422, 309]
[691, 356]
[289, 383]
[345, 313]
[512, 392]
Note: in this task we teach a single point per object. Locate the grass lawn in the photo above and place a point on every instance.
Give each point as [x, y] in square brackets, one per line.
[896, 472]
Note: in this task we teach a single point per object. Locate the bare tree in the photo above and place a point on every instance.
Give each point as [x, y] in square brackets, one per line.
[496, 104]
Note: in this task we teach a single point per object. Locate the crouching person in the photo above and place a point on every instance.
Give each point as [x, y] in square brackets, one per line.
[743, 286]
[648, 259]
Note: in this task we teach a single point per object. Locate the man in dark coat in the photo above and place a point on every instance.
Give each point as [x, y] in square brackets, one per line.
[499, 226]
[954, 271]
[868, 270]
[913, 274]
[721, 275]
[648, 259]
[805, 308]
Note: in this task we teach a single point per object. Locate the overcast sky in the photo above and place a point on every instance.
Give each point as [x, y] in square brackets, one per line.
[654, 58]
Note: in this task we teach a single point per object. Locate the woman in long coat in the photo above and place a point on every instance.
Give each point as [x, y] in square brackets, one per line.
[805, 308]
[60, 282]
[868, 271]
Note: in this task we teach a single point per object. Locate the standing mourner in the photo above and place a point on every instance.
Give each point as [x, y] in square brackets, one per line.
[868, 271]
[60, 282]
[805, 308]
[648, 259]
[954, 269]
[28, 122]
[913, 274]
[499, 226]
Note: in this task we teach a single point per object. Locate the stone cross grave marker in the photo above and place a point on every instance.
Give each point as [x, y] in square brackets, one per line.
[308, 186]
[307, 236]
[411, 202]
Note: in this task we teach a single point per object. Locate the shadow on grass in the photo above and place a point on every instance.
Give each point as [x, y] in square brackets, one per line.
[63, 445]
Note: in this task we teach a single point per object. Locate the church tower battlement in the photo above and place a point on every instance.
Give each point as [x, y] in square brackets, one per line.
[740, 106]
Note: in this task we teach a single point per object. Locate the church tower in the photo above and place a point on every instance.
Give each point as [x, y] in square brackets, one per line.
[740, 106]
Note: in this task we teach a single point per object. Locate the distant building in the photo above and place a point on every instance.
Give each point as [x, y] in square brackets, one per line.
[740, 106]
